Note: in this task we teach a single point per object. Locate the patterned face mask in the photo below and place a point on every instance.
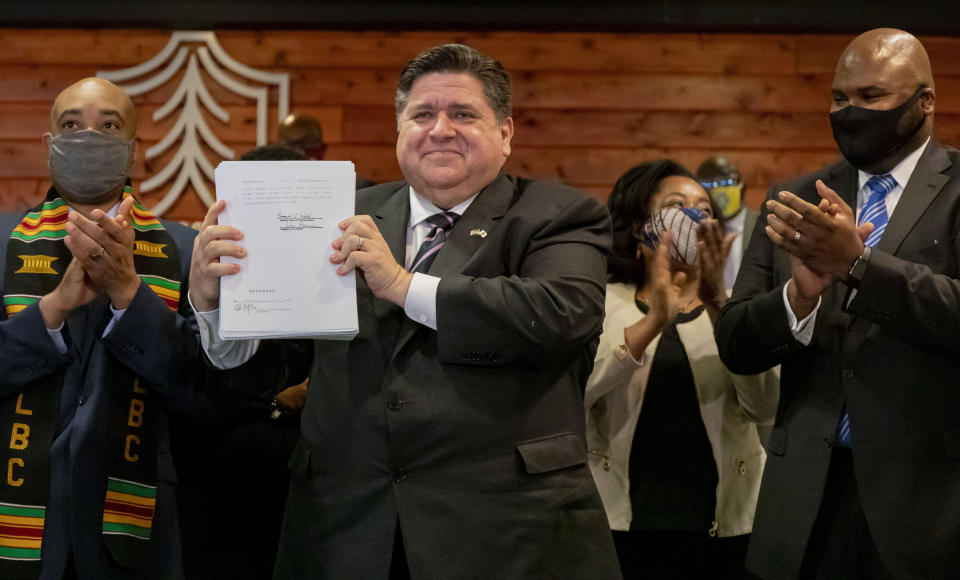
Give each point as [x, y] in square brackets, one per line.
[683, 223]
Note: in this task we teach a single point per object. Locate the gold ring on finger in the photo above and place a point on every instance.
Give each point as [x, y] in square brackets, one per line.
[360, 243]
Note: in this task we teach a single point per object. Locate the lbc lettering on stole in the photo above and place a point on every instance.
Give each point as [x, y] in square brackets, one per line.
[132, 442]
[29, 418]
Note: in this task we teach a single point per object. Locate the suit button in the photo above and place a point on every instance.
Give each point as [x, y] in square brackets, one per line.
[847, 373]
[82, 400]
[399, 476]
[394, 403]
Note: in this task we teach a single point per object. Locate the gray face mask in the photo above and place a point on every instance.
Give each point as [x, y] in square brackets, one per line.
[89, 164]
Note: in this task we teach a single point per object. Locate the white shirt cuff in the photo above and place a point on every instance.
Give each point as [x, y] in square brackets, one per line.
[117, 314]
[223, 354]
[56, 335]
[802, 329]
[421, 304]
[622, 353]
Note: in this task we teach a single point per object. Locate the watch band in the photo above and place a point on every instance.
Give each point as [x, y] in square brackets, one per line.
[855, 275]
[275, 411]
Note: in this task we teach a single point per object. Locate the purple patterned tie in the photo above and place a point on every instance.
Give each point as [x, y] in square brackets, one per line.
[875, 212]
[440, 224]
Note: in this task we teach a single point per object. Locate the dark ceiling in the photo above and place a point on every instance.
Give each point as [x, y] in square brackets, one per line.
[925, 17]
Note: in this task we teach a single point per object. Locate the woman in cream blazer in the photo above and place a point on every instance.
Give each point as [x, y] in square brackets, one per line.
[650, 292]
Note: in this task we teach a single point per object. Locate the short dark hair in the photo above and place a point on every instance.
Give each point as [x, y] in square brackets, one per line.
[274, 153]
[459, 58]
[629, 205]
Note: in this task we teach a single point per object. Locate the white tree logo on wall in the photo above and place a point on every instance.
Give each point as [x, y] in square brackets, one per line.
[190, 164]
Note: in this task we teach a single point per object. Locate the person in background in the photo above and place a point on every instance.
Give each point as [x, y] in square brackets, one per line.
[853, 287]
[305, 133]
[671, 432]
[98, 346]
[236, 454]
[721, 177]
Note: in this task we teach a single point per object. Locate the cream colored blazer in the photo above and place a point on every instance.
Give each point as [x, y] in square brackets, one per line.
[730, 405]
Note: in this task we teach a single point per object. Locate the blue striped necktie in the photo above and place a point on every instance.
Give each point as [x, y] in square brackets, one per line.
[440, 224]
[875, 212]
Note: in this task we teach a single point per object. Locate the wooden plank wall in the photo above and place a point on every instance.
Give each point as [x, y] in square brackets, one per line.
[587, 106]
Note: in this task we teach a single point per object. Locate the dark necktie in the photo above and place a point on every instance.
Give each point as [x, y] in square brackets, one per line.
[875, 212]
[440, 224]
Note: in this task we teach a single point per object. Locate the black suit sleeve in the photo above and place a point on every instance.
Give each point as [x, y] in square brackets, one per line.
[911, 300]
[547, 305]
[277, 364]
[27, 353]
[752, 330]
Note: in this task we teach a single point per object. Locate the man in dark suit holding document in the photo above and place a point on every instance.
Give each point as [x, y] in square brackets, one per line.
[447, 438]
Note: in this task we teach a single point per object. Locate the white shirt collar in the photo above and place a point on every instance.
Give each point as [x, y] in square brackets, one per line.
[421, 209]
[901, 172]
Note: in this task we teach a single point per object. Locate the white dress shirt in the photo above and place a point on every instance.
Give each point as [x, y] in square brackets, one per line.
[421, 303]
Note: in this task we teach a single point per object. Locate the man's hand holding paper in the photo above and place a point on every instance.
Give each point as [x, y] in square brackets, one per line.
[213, 242]
[361, 247]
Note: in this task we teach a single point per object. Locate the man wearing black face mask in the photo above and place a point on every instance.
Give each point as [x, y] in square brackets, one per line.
[96, 347]
[851, 284]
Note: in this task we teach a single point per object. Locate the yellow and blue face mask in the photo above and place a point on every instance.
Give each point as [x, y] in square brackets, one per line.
[727, 194]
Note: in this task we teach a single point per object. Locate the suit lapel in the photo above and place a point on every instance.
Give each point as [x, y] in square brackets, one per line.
[923, 186]
[749, 222]
[472, 228]
[391, 219]
[843, 180]
[466, 237]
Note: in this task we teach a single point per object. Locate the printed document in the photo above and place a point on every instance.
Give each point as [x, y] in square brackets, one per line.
[288, 212]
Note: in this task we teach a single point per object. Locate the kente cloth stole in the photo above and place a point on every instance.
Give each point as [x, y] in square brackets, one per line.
[35, 261]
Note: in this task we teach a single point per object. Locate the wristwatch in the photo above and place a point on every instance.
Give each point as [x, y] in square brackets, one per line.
[855, 275]
[275, 411]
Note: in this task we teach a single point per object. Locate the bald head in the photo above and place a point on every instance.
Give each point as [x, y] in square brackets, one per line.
[94, 103]
[890, 54]
[718, 168]
[90, 146]
[302, 132]
[884, 69]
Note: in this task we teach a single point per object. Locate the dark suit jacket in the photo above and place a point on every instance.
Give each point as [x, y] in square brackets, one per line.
[893, 355]
[470, 437]
[159, 345]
